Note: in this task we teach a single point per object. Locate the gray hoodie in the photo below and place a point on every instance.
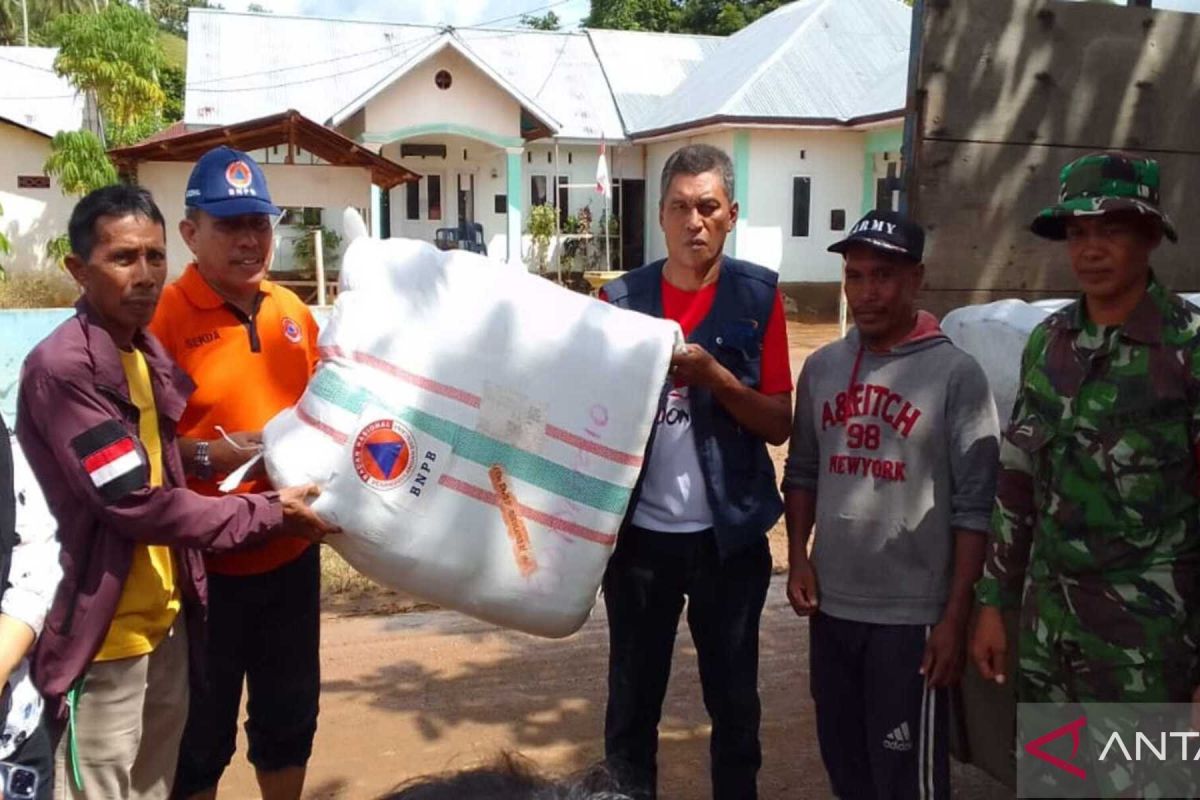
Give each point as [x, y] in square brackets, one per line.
[901, 449]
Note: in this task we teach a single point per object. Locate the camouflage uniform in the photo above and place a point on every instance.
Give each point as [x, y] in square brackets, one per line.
[1096, 514]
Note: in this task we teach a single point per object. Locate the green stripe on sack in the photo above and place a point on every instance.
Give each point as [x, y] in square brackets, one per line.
[483, 450]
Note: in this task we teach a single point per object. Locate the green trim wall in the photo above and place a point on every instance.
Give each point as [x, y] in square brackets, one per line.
[887, 140]
[441, 129]
[515, 202]
[741, 181]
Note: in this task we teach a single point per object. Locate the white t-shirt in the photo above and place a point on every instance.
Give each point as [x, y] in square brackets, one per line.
[673, 497]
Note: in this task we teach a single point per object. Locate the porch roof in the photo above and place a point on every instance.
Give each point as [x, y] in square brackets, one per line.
[289, 128]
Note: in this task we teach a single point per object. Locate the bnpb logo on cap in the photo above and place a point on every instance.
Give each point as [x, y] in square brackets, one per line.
[238, 175]
[383, 454]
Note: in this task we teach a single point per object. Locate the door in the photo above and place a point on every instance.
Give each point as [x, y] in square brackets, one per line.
[466, 199]
[632, 215]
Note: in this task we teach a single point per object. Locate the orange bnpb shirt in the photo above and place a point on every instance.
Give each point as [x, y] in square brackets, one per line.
[246, 369]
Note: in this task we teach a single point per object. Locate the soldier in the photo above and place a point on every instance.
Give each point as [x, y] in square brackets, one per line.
[1095, 528]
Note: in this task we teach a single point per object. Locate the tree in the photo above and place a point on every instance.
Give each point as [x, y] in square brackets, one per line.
[548, 22]
[255, 8]
[635, 15]
[79, 162]
[172, 15]
[40, 13]
[116, 57]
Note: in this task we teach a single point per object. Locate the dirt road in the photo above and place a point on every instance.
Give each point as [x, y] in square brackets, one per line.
[415, 693]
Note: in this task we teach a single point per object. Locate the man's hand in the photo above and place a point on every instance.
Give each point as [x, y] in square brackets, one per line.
[989, 645]
[802, 587]
[226, 458]
[945, 653]
[695, 366]
[298, 519]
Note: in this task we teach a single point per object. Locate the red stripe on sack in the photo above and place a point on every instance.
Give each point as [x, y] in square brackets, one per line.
[595, 448]
[531, 514]
[474, 401]
[108, 454]
[310, 421]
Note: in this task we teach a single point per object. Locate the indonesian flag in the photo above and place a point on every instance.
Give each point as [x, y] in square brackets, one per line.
[111, 459]
[603, 184]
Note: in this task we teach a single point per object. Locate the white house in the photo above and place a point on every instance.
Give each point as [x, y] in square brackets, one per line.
[35, 104]
[808, 101]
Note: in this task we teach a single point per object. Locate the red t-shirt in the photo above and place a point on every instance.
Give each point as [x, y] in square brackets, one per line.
[690, 308]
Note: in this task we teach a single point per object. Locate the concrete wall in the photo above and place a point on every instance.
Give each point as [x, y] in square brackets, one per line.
[31, 217]
[833, 161]
[297, 185]
[473, 100]
[20, 331]
[1010, 91]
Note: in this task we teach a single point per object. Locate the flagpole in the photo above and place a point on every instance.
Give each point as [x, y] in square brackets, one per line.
[607, 222]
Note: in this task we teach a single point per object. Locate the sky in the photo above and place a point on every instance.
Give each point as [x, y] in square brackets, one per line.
[460, 13]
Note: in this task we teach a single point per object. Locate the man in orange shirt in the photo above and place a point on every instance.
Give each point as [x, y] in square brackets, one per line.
[250, 347]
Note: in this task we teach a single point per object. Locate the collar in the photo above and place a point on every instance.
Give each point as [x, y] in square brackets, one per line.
[203, 296]
[1144, 325]
[173, 386]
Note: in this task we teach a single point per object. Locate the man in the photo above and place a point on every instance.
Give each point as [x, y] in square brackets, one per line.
[250, 347]
[706, 498]
[1096, 528]
[892, 457]
[97, 408]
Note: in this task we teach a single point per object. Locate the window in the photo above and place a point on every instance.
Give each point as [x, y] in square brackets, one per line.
[837, 219]
[422, 151]
[801, 202]
[443, 79]
[887, 190]
[501, 204]
[33, 182]
[433, 196]
[412, 198]
[537, 190]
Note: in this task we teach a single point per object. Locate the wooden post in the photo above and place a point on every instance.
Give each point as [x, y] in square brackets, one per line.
[319, 250]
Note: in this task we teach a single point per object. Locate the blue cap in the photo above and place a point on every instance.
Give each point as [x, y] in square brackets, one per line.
[228, 183]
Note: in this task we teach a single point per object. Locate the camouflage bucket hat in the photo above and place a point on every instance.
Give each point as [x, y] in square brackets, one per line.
[1099, 184]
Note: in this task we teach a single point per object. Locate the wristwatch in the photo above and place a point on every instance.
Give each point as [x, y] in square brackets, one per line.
[202, 465]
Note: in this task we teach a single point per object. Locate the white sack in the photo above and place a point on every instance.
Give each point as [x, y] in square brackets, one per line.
[477, 431]
[995, 334]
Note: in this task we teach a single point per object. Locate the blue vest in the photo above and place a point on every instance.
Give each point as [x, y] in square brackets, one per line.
[738, 472]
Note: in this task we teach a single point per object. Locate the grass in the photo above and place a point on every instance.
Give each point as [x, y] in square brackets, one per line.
[339, 578]
[175, 49]
[44, 289]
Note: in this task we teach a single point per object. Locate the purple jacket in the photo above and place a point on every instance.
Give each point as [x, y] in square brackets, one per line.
[79, 431]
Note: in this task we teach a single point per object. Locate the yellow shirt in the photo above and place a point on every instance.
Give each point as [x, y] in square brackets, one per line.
[150, 598]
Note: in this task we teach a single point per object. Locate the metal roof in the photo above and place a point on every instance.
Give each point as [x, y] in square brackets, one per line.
[815, 61]
[243, 65]
[32, 96]
[809, 62]
[645, 69]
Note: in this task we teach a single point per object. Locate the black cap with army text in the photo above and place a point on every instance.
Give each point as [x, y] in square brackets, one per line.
[888, 232]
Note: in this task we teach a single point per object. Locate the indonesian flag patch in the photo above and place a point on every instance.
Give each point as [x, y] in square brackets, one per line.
[112, 459]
